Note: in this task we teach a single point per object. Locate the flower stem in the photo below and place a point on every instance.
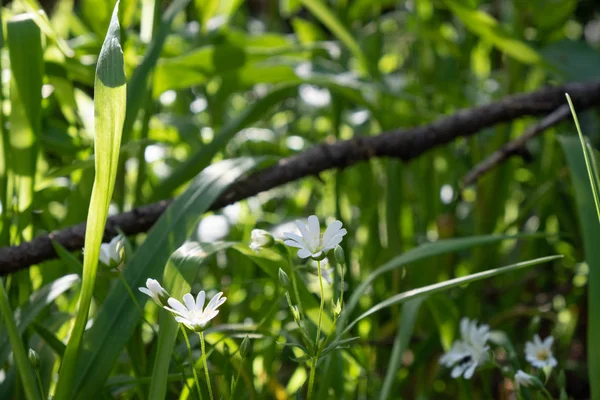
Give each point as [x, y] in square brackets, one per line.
[313, 367]
[547, 393]
[235, 382]
[205, 365]
[39, 381]
[294, 282]
[192, 364]
[137, 304]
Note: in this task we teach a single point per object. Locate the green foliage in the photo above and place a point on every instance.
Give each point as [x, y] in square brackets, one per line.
[180, 99]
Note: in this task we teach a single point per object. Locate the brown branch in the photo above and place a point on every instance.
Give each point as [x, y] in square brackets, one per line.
[517, 146]
[402, 144]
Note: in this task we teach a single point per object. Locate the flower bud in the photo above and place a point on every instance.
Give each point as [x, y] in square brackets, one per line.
[260, 239]
[283, 278]
[340, 257]
[245, 347]
[34, 358]
[111, 254]
[336, 307]
[295, 313]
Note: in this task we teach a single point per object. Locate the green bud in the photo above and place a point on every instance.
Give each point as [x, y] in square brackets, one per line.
[336, 307]
[561, 380]
[283, 278]
[340, 257]
[295, 313]
[245, 347]
[34, 359]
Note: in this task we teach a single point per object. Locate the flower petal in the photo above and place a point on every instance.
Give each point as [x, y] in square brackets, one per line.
[177, 307]
[303, 230]
[189, 301]
[304, 253]
[200, 300]
[293, 243]
[332, 230]
[213, 302]
[314, 226]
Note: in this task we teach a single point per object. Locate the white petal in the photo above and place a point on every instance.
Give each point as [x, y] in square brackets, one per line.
[457, 371]
[332, 230]
[200, 300]
[303, 230]
[313, 226]
[189, 302]
[293, 243]
[548, 342]
[334, 241]
[177, 306]
[469, 372]
[213, 302]
[148, 292]
[303, 253]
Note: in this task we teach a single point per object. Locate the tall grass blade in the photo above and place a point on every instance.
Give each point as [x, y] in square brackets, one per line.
[583, 182]
[109, 114]
[118, 316]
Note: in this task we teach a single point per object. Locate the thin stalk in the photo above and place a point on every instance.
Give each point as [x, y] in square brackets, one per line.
[39, 381]
[137, 304]
[205, 366]
[21, 359]
[192, 364]
[313, 367]
[547, 394]
[289, 301]
[235, 382]
[294, 281]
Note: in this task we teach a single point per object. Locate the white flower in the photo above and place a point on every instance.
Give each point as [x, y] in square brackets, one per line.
[260, 239]
[155, 291]
[523, 379]
[539, 354]
[111, 253]
[192, 313]
[466, 354]
[310, 243]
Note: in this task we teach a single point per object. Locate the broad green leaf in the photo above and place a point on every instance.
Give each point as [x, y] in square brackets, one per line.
[24, 41]
[118, 316]
[109, 114]
[451, 283]
[41, 19]
[486, 27]
[585, 201]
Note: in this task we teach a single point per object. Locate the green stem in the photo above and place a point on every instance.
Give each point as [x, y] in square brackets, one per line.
[137, 304]
[39, 381]
[234, 386]
[206, 366]
[313, 367]
[16, 343]
[192, 364]
[547, 394]
[289, 301]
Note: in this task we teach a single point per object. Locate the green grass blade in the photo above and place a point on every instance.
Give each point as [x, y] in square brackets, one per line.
[24, 41]
[41, 19]
[422, 252]
[588, 216]
[329, 19]
[38, 301]
[118, 316]
[406, 325]
[179, 275]
[109, 114]
[586, 156]
[438, 287]
[21, 359]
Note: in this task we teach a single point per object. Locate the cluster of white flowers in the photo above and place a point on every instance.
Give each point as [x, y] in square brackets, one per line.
[193, 314]
[472, 350]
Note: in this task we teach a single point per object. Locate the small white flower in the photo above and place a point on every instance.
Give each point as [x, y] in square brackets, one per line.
[523, 379]
[466, 354]
[260, 239]
[111, 253]
[193, 314]
[310, 243]
[155, 291]
[539, 354]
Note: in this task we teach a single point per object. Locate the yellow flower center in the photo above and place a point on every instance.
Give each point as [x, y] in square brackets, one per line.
[542, 355]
